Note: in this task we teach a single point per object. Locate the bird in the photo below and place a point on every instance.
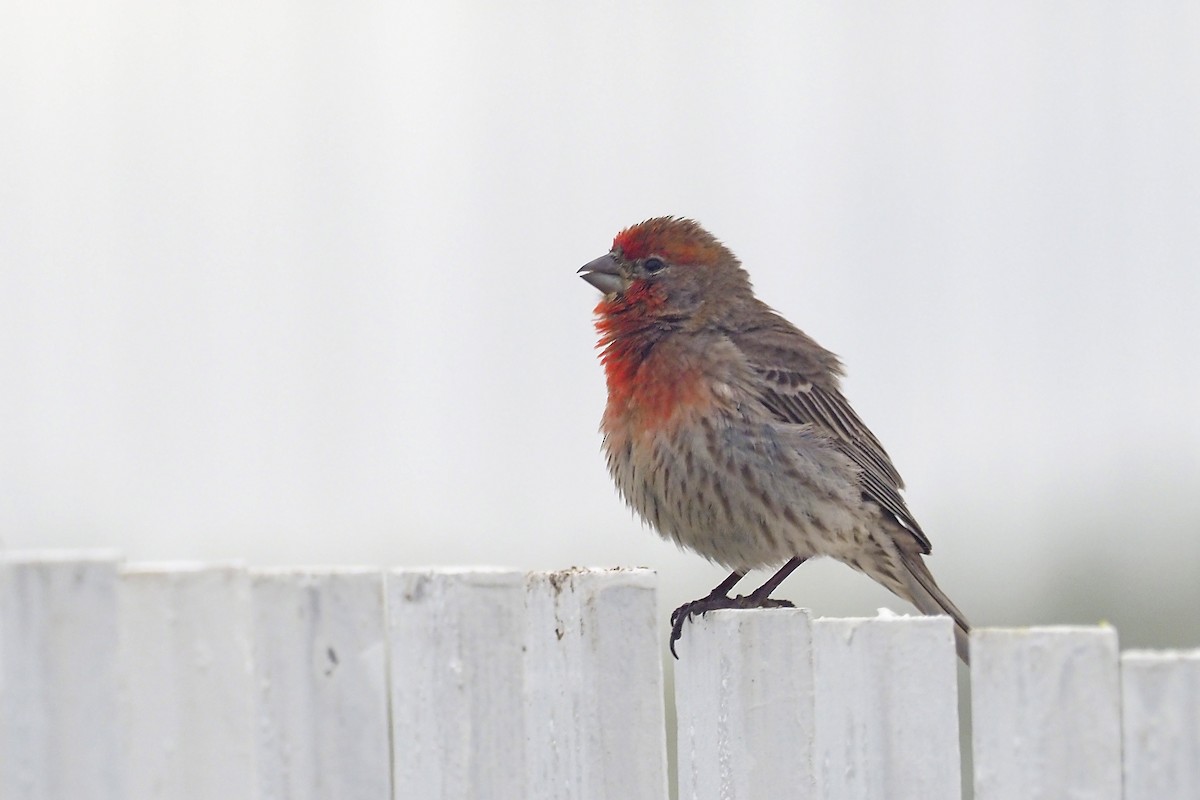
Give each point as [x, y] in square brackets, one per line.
[726, 430]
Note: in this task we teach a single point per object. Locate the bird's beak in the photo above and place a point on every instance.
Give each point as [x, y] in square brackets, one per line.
[603, 273]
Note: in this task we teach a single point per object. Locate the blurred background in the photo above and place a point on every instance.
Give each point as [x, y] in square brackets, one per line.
[295, 283]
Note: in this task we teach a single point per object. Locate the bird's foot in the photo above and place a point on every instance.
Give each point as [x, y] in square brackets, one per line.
[715, 602]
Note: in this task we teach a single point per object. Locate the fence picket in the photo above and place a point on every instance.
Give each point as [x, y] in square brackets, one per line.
[456, 677]
[186, 676]
[744, 701]
[593, 683]
[886, 708]
[58, 699]
[320, 684]
[207, 682]
[1046, 710]
[1160, 718]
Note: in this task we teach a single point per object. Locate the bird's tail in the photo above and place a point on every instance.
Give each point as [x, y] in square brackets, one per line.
[924, 593]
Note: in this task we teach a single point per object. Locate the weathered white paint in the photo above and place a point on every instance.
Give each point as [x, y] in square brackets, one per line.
[197, 681]
[744, 701]
[320, 685]
[886, 707]
[58, 699]
[458, 715]
[1160, 718]
[1046, 709]
[186, 679]
[593, 682]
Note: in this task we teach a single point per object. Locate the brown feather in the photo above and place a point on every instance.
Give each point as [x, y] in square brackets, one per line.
[802, 387]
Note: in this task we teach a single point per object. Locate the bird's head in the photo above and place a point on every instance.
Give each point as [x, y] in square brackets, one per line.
[666, 272]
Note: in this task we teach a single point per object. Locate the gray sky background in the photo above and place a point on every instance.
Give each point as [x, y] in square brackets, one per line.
[295, 282]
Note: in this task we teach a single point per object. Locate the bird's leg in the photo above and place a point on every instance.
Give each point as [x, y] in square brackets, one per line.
[761, 597]
[719, 598]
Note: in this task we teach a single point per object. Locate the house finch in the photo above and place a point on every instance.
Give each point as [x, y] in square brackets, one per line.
[727, 432]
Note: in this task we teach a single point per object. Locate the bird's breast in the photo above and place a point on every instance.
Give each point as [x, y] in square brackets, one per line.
[650, 394]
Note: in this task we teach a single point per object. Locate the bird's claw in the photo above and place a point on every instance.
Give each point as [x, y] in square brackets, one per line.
[688, 610]
[750, 601]
[716, 602]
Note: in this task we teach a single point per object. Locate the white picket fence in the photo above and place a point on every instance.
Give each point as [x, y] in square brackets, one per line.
[190, 681]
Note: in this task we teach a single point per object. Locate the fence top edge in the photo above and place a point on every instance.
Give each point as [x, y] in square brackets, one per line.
[731, 613]
[452, 571]
[1045, 631]
[309, 571]
[569, 571]
[134, 568]
[596, 577]
[83, 555]
[886, 615]
[1148, 656]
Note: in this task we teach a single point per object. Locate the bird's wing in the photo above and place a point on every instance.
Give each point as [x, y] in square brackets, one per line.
[799, 381]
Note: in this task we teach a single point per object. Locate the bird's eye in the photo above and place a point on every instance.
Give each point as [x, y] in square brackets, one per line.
[653, 265]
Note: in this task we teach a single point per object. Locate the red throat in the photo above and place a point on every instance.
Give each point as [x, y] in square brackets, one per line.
[645, 387]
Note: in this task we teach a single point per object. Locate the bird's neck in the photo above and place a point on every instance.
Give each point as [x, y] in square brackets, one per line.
[650, 381]
[626, 341]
